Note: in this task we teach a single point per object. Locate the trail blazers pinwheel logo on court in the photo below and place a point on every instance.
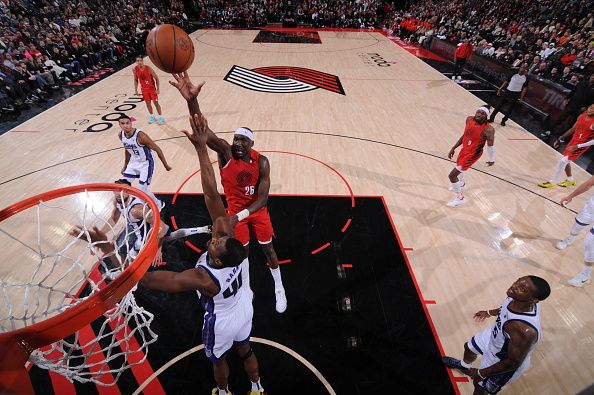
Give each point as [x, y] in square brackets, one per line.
[283, 79]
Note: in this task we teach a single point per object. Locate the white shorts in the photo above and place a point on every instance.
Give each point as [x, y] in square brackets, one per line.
[143, 170]
[586, 215]
[220, 332]
[479, 344]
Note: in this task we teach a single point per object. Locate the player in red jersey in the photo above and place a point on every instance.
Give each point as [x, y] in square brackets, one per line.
[245, 175]
[476, 133]
[582, 137]
[149, 86]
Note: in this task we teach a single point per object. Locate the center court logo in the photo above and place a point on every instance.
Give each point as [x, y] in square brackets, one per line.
[283, 79]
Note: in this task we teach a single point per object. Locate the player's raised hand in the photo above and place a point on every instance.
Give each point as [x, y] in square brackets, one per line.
[556, 143]
[187, 89]
[199, 134]
[565, 201]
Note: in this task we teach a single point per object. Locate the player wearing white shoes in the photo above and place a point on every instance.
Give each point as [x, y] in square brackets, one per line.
[138, 160]
[476, 133]
[217, 278]
[245, 176]
[582, 138]
[506, 346]
[583, 220]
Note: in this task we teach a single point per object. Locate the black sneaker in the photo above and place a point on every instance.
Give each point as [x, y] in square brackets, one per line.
[454, 363]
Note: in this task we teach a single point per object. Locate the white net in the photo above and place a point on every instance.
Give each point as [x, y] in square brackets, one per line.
[56, 267]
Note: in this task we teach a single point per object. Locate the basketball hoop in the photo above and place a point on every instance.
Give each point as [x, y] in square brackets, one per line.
[43, 306]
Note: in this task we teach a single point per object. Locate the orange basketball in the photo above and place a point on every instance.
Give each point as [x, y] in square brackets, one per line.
[170, 48]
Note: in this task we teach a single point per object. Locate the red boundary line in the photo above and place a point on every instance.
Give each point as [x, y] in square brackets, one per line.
[344, 228]
[347, 265]
[408, 249]
[429, 301]
[420, 295]
[461, 379]
[320, 248]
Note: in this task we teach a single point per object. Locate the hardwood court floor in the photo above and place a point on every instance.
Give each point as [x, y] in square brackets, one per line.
[388, 135]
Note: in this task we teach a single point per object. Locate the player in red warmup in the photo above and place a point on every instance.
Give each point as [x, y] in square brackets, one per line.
[582, 137]
[149, 86]
[245, 175]
[477, 132]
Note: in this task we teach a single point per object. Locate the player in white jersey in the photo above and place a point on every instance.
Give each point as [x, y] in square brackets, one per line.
[139, 219]
[217, 277]
[506, 346]
[583, 220]
[138, 161]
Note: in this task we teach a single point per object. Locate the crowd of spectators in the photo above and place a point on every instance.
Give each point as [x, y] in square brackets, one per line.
[554, 37]
[47, 43]
[360, 14]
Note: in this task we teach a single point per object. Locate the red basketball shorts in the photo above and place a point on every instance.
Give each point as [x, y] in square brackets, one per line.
[465, 161]
[150, 95]
[257, 224]
[574, 155]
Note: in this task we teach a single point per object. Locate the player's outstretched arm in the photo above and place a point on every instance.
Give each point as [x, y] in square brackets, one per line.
[135, 84]
[144, 139]
[214, 203]
[188, 280]
[490, 136]
[190, 92]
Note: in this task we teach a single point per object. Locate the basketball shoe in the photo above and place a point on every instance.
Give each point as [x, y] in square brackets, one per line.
[454, 363]
[215, 391]
[161, 120]
[546, 184]
[563, 244]
[151, 118]
[281, 300]
[258, 392]
[580, 280]
[456, 202]
[567, 183]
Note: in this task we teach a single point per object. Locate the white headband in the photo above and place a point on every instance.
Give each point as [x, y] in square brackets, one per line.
[485, 110]
[245, 132]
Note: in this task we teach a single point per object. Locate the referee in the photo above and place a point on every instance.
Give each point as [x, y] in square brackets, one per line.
[516, 89]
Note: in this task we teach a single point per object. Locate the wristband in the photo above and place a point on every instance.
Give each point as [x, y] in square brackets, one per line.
[243, 214]
[478, 372]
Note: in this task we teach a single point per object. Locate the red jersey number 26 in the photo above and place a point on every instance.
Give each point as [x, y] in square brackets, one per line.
[249, 190]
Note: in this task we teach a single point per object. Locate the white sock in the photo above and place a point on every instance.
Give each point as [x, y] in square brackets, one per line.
[560, 167]
[185, 232]
[223, 391]
[461, 177]
[278, 281]
[570, 178]
[257, 386]
[587, 271]
[144, 188]
[457, 187]
[464, 364]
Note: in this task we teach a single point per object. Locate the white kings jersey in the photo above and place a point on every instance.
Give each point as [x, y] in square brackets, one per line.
[137, 151]
[139, 227]
[499, 340]
[232, 291]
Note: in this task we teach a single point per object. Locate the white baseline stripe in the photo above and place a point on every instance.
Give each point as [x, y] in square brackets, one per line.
[264, 80]
[258, 87]
[271, 343]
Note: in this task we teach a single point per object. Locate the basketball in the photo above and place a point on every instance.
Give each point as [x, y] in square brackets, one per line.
[170, 48]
